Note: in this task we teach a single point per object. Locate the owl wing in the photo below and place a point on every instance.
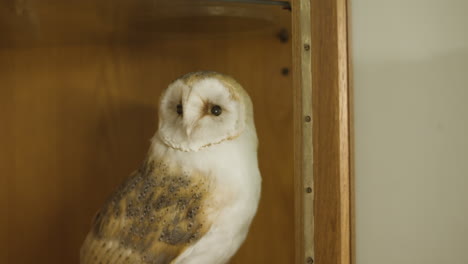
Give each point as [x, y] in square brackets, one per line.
[152, 218]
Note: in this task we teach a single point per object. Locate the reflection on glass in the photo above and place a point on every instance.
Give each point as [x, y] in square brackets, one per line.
[135, 20]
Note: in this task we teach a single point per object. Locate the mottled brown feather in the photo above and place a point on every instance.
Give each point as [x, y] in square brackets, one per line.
[152, 218]
[235, 89]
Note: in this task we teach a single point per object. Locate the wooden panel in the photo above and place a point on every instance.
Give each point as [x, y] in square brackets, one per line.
[79, 120]
[6, 163]
[331, 131]
[303, 129]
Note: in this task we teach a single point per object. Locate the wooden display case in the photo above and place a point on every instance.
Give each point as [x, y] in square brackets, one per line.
[79, 84]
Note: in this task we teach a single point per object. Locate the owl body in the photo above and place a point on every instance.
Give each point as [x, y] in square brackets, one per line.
[195, 196]
[235, 185]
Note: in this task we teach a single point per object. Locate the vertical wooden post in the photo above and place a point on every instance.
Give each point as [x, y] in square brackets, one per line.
[322, 147]
[303, 167]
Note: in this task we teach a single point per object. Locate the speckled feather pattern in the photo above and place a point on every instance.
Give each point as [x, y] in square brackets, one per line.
[151, 218]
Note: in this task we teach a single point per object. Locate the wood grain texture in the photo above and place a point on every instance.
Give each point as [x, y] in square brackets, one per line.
[331, 131]
[6, 164]
[78, 119]
[303, 127]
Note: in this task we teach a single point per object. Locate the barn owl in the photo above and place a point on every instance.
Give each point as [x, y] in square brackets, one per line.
[195, 195]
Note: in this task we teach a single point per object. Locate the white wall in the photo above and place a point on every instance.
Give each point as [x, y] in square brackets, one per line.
[410, 61]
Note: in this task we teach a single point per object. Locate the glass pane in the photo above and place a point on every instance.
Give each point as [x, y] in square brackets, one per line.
[49, 21]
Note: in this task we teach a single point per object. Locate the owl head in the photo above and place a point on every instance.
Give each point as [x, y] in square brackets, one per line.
[203, 109]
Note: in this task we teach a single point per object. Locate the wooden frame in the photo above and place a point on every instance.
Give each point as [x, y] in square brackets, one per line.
[322, 132]
[323, 180]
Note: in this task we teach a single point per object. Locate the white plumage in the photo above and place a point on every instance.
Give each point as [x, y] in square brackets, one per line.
[194, 198]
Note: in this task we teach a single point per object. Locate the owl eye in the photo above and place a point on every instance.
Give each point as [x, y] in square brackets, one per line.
[216, 110]
[179, 109]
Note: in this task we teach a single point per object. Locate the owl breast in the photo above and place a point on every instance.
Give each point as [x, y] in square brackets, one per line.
[234, 194]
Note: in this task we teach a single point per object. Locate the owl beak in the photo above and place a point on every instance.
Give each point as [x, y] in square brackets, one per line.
[190, 117]
[189, 128]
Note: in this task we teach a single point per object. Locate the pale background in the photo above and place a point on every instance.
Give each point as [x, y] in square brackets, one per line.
[411, 126]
